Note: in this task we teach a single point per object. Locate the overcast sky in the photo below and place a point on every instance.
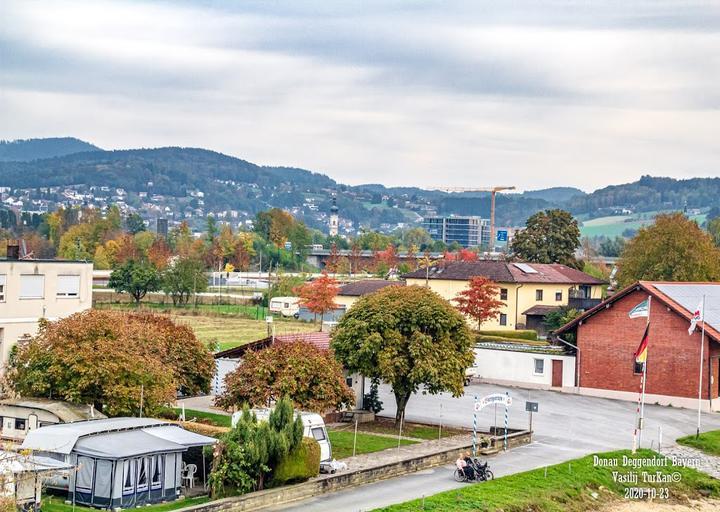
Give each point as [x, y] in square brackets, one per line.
[532, 94]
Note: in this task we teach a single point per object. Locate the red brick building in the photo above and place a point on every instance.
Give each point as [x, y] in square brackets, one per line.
[607, 339]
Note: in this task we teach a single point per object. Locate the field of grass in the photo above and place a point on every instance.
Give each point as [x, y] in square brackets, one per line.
[342, 443]
[57, 504]
[219, 420]
[614, 225]
[231, 332]
[248, 311]
[419, 431]
[709, 442]
[575, 486]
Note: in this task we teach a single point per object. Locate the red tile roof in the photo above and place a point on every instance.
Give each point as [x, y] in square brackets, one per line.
[319, 339]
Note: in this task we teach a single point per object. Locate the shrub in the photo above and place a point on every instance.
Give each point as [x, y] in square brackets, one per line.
[299, 465]
[528, 334]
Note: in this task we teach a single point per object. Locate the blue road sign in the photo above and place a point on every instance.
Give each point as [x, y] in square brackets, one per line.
[288, 246]
[502, 235]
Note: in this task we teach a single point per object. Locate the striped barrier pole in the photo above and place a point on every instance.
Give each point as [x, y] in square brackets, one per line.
[475, 427]
[505, 442]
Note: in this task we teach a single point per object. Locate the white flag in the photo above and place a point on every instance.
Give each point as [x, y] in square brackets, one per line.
[697, 316]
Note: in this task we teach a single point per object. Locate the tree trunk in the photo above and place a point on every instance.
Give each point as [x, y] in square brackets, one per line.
[401, 400]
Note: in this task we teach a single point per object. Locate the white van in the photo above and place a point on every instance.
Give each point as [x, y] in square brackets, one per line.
[313, 426]
[285, 306]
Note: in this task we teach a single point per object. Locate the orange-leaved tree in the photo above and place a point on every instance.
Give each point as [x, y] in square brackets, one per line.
[113, 360]
[479, 301]
[318, 296]
[308, 375]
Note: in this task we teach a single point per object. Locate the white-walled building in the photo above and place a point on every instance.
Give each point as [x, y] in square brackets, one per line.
[35, 289]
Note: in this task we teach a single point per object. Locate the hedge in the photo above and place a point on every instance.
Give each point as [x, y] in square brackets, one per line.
[300, 464]
[528, 334]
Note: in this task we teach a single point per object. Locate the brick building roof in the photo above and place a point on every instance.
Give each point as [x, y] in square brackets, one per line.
[681, 297]
[505, 272]
[366, 286]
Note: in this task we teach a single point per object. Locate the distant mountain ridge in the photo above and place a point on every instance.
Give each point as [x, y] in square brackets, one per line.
[195, 181]
[35, 149]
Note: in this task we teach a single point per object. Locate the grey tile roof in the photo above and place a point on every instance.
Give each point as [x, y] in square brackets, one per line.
[366, 286]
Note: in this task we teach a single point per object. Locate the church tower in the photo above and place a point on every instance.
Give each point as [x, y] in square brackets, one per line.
[333, 231]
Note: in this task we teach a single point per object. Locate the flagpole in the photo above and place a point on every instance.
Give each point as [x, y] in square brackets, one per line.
[702, 354]
[644, 380]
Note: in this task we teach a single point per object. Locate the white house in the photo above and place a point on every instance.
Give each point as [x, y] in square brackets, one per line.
[35, 289]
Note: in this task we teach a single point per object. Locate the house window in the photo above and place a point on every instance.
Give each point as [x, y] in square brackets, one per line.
[558, 296]
[503, 319]
[68, 286]
[539, 366]
[2, 288]
[32, 286]
[349, 381]
[538, 295]
[637, 368]
[503, 293]
[20, 424]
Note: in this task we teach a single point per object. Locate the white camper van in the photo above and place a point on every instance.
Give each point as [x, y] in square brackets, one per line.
[313, 424]
[285, 306]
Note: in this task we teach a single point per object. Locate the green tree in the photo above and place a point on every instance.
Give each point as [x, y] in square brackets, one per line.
[556, 319]
[713, 227]
[407, 336]
[134, 223]
[246, 456]
[551, 236]
[183, 278]
[674, 248]
[135, 278]
[417, 237]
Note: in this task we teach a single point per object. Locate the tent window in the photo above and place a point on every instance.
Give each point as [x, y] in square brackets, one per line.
[156, 481]
[84, 478]
[128, 476]
[142, 475]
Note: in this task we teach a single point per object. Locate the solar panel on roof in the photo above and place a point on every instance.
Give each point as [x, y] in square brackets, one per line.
[527, 269]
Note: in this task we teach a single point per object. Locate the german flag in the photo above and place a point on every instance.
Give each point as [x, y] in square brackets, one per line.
[641, 352]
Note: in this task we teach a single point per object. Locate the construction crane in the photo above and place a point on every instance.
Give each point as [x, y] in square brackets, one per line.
[493, 191]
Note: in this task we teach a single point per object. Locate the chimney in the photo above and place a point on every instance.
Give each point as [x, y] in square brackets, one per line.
[13, 250]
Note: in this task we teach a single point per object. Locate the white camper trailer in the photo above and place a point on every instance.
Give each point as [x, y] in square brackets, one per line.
[285, 306]
[313, 424]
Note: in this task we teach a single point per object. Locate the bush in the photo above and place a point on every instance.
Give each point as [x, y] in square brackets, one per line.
[517, 334]
[299, 465]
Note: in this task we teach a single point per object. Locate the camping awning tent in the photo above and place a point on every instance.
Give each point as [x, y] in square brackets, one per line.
[121, 462]
[21, 475]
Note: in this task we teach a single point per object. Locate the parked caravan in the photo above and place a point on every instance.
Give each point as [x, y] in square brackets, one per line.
[285, 306]
[313, 424]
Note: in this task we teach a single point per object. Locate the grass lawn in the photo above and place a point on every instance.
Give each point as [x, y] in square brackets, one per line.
[219, 420]
[428, 432]
[342, 443]
[57, 504]
[566, 487]
[709, 442]
[614, 225]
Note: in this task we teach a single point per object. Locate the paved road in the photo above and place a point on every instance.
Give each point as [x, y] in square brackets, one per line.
[567, 426]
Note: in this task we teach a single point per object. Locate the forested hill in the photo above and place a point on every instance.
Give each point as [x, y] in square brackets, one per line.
[172, 171]
[650, 194]
[34, 149]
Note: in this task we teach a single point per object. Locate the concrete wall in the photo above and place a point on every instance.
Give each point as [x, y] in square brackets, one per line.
[608, 340]
[520, 297]
[19, 316]
[518, 368]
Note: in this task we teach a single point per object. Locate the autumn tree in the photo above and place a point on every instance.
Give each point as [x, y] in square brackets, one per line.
[108, 358]
[674, 248]
[310, 376]
[480, 300]
[135, 278]
[183, 278]
[355, 258]
[159, 254]
[331, 265]
[409, 337]
[551, 236]
[318, 296]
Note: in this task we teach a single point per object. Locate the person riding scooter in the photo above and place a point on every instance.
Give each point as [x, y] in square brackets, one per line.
[464, 464]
